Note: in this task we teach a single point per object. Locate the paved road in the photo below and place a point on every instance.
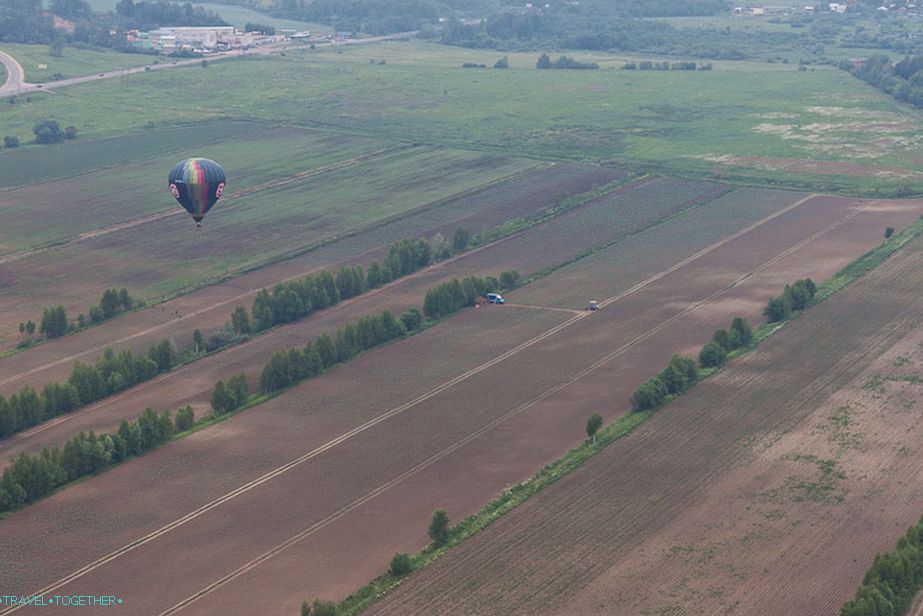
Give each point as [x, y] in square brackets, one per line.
[16, 83]
[15, 78]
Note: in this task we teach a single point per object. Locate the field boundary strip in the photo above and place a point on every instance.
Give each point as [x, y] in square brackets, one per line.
[510, 414]
[423, 397]
[321, 244]
[244, 192]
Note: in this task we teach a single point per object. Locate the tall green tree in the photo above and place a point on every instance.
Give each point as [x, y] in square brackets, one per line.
[593, 424]
[439, 528]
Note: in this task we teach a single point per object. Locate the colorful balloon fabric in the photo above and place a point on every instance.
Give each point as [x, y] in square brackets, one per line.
[197, 183]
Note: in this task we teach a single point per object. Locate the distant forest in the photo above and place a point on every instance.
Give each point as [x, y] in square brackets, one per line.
[903, 81]
[30, 21]
[600, 25]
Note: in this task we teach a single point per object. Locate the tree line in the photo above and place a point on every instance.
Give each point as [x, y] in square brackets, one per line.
[54, 322]
[604, 25]
[893, 580]
[291, 301]
[649, 65]
[370, 16]
[452, 296]
[87, 383]
[682, 372]
[903, 81]
[49, 131]
[32, 476]
[285, 368]
[563, 62]
[31, 21]
[794, 298]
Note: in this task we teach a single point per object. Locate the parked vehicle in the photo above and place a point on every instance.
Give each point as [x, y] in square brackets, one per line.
[495, 298]
[593, 305]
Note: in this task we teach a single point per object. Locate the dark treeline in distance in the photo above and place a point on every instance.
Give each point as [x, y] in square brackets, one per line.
[31, 21]
[903, 81]
[563, 62]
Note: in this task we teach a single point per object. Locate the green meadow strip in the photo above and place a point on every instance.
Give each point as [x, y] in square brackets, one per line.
[867, 262]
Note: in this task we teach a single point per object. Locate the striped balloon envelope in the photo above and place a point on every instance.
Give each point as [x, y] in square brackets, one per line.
[197, 183]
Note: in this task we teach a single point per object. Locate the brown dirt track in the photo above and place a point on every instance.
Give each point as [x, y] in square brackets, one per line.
[354, 503]
[713, 506]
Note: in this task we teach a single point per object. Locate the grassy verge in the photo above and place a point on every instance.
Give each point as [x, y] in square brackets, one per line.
[867, 262]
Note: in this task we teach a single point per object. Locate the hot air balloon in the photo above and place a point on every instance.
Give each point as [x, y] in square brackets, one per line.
[197, 183]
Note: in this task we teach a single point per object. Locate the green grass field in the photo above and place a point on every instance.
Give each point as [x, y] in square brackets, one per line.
[274, 223]
[38, 215]
[689, 123]
[30, 165]
[74, 62]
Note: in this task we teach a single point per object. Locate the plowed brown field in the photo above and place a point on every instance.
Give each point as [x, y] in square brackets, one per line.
[766, 490]
[536, 248]
[311, 493]
[208, 309]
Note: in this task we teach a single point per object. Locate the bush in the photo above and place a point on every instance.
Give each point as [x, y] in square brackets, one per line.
[593, 424]
[649, 395]
[411, 319]
[509, 279]
[54, 322]
[712, 355]
[324, 608]
[48, 131]
[439, 528]
[503, 62]
[723, 339]
[778, 309]
[11, 142]
[460, 239]
[679, 375]
[741, 334]
[184, 420]
[795, 297]
[401, 565]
